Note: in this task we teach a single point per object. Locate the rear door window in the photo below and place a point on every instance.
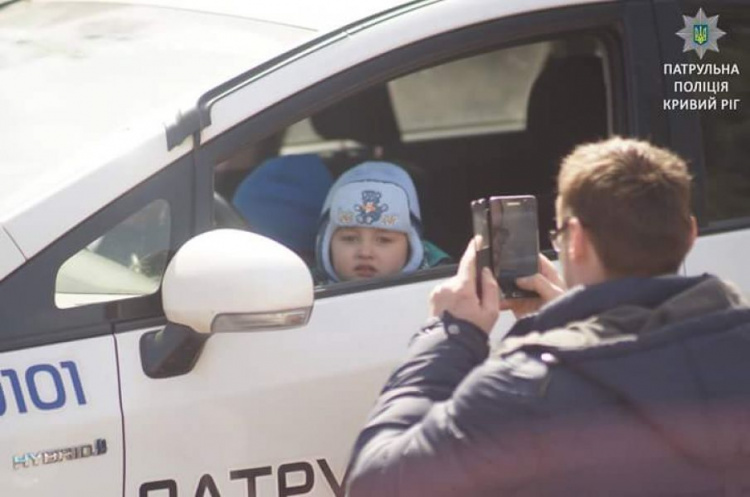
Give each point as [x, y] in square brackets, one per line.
[707, 83]
[726, 130]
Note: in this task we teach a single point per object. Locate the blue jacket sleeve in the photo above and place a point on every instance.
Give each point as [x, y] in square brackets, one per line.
[449, 422]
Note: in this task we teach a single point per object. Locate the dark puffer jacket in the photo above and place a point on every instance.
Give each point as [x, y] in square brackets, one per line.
[631, 387]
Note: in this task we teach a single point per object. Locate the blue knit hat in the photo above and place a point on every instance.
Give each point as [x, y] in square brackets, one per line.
[371, 195]
[282, 198]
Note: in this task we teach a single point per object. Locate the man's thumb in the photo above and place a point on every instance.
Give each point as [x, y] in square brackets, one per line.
[539, 284]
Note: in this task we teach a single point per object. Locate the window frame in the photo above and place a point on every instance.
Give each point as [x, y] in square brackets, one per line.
[633, 66]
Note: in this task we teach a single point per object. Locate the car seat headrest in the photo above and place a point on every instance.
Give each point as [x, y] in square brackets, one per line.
[567, 106]
[366, 117]
[282, 199]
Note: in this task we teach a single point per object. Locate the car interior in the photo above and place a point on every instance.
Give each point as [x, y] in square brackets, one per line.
[496, 123]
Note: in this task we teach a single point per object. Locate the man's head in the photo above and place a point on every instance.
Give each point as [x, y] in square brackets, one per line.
[623, 209]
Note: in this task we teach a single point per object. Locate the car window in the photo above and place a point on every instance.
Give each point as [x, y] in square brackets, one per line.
[127, 261]
[726, 131]
[491, 123]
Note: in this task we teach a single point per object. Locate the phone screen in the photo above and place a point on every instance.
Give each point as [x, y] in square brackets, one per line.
[515, 241]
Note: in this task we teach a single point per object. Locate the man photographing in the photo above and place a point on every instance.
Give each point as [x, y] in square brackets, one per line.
[635, 381]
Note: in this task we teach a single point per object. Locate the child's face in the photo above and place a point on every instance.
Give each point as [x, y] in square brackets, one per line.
[359, 253]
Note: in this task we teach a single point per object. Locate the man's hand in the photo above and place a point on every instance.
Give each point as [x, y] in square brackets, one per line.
[458, 295]
[547, 283]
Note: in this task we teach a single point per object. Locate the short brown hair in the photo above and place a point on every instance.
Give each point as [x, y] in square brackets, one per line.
[634, 200]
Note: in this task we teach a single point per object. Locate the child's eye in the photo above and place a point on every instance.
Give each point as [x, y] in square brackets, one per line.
[385, 240]
[347, 238]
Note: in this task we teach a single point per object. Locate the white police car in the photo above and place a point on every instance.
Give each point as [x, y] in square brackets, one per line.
[225, 372]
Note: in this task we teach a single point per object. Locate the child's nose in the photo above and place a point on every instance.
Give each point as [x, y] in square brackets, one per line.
[365, 250]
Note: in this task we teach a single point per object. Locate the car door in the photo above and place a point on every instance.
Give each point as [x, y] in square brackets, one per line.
[714, 132]
[275, 412]
[61, 431]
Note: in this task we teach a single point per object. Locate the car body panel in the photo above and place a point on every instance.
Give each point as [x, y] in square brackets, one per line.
[720, 254]
[315, 15]
[11, 256]
[81, 419]
[312, 384]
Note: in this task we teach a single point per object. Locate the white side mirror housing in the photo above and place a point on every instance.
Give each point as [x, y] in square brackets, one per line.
[233, 280]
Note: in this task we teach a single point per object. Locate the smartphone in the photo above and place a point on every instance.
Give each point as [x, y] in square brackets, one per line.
[509, 231]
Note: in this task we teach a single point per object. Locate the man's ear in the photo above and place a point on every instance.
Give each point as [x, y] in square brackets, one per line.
[693, 231]
[579, 245]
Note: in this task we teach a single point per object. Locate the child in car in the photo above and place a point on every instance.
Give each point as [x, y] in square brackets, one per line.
[371, 226]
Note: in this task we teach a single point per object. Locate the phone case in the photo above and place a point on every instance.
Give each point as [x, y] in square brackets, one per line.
[515, 219]
[480, 220]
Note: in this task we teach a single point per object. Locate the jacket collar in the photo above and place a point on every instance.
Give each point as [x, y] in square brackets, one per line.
[586, 301]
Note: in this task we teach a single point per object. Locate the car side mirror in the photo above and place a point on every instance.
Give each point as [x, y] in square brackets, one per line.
[225, 281]
[233, 280]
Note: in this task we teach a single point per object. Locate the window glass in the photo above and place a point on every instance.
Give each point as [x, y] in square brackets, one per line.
[454, 99]
[726, 132]
[128, 261]
[462, 97]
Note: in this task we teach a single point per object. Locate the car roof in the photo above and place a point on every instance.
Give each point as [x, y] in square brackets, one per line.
[73, 73]
[317, 15]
